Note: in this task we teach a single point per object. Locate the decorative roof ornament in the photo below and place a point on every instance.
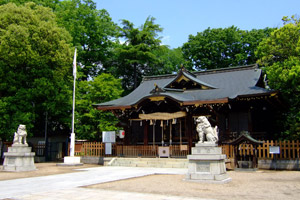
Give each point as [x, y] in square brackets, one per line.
[266, 82]
[157, 89]
[187, 80]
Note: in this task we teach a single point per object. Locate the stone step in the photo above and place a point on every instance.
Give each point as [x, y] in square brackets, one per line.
[150, 162]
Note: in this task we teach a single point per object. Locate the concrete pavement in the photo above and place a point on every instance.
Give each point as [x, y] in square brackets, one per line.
[67, 186]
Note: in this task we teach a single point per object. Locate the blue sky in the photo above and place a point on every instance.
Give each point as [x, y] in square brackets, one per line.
[180, 18]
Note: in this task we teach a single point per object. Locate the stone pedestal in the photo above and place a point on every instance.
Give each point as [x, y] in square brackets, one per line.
[207, 164]
[70, 161]
[19, 158]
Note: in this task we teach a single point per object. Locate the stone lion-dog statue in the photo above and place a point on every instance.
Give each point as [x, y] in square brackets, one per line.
[21, 135]
[206, 132]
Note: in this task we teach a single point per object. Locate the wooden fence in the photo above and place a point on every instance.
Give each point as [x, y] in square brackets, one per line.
[288, 150]
[92, 149]
[137, 151]
[98, 149]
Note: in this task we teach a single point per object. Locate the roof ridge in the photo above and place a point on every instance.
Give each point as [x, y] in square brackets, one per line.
[210, 71]
[227, 69]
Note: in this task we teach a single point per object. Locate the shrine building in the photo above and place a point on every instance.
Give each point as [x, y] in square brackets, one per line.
[163, 109]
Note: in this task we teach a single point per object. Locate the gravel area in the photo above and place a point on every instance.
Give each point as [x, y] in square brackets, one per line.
[262, 184]
[244, 185]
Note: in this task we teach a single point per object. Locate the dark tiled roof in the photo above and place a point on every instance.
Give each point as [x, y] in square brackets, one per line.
[227, 83]
[245, 137]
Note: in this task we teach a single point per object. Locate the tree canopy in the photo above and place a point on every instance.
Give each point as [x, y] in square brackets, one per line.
[135, 58]
[280, 56]
[35, 60]
[46, 3]
[221, 48]
[169, 60]
[92, 31]
[36, 50]
[90, 122]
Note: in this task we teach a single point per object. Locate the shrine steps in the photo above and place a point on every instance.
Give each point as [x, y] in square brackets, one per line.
[149, 162]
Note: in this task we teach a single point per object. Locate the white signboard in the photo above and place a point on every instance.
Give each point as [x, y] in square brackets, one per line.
[108, 136]
[274, 149]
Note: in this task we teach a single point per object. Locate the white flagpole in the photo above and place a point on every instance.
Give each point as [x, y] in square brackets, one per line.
[72, 144]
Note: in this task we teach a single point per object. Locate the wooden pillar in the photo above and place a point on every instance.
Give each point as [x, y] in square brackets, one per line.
[128, 134]
[254, 160]
[236, 155]
[188, 129]
[146, 131]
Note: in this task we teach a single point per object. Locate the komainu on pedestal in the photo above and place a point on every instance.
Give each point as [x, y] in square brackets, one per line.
[19, 156]
[207, 163]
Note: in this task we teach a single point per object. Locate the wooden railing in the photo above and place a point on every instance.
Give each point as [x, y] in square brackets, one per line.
[137, 151]
[92, 149]
[98, 149]
[179, 150]
[289, 150]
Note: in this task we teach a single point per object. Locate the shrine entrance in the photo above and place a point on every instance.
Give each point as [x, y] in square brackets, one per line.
[164, 130]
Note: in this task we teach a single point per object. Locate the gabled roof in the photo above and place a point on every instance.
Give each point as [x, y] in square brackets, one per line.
[245, 137]
[221, 85]
[186, 76]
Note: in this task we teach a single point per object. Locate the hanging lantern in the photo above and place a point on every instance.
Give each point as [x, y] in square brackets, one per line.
[151, 122]
[161, 123]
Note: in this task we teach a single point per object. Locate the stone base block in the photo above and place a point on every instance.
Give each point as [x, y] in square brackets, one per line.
[70, 161]
[19, 168]
[221, 181]
[19, 158]
[207, 164]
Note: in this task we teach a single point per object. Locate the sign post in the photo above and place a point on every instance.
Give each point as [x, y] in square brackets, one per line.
[108, 137]
[274, 150]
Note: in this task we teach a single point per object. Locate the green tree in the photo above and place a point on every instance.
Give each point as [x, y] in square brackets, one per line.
[169, 60]
[90, 122]
[134, 58]
[92, 31]
[47, 3]
[221, 48]
[280, 56]
[35, 60]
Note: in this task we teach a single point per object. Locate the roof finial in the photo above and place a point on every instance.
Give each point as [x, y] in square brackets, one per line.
[182, 68]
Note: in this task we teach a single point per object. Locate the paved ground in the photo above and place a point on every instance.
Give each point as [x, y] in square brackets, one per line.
[69, 185]
[120, 183]
[43, 169]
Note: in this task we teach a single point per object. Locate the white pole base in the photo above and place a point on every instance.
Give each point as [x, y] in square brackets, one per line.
[70, 161]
